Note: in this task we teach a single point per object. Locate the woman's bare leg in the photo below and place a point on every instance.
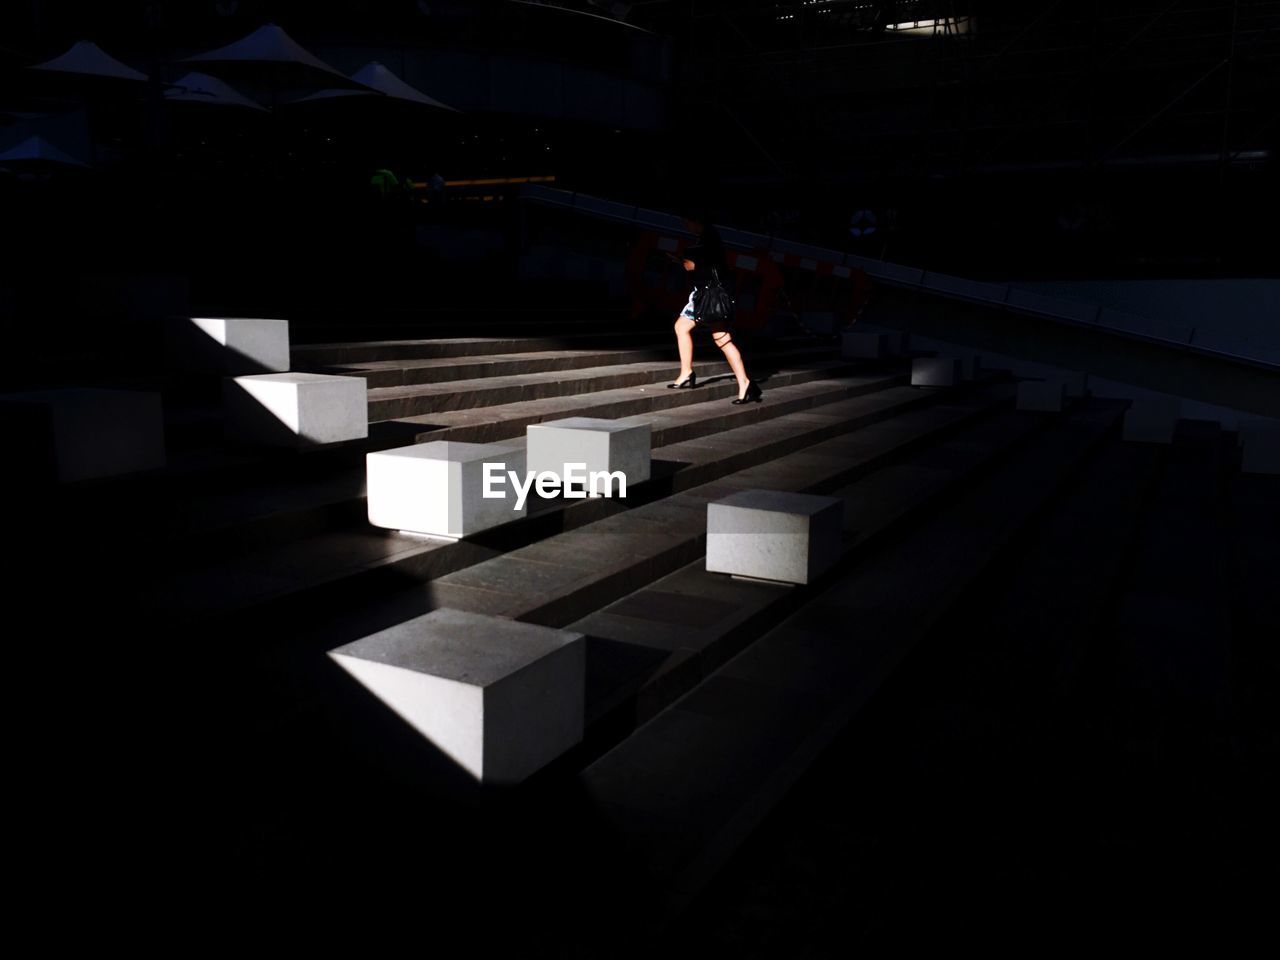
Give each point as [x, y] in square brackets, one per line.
[684, 340]
[731, 353]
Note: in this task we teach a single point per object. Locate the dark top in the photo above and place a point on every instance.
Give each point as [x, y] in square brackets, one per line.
[707, 252]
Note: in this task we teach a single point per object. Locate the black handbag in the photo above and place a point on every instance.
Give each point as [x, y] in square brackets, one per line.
[713, 304]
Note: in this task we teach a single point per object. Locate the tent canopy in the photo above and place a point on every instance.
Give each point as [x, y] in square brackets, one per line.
[377, 77]
[268, 45]
[202, 88]
[379, 80]
[38, 150]
[88, 59]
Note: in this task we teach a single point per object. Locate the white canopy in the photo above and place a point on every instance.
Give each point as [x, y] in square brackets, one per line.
[202, 88]
[267, 45]
[37, 149]
[378, 78]
[88, 59]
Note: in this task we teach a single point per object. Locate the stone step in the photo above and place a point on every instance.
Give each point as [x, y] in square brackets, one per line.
[224, 518]
[904, 487]
[1170, 628]
[442, 347]
[1039, 609]
[726, 613]
[307, 571]
[402, 372]
[1254, 520]
[748, 732]
[247, 485]
[561, 578]
[502, 421]
[614, 557]
[524, 321]
[399, 403]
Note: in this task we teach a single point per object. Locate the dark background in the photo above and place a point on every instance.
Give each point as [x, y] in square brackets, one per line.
[1131, 139]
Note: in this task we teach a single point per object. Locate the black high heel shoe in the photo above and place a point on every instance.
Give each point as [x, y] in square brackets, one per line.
[687, 383]
[753, 395]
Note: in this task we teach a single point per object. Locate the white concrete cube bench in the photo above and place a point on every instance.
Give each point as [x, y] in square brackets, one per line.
[1152, 419]
[936, 371]
[437, 489]
[499, 697]
[601, 446]
[1260, 445]
[229, 346]
[1226, 418]
[773, 535]
[75, 434]
[1047, 396]
[296, 409]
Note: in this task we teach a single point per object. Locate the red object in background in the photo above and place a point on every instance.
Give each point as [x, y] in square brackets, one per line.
[657, 280]
[823, 287]
[862, 287]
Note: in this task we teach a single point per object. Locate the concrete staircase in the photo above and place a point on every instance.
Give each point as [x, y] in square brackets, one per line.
[707, 697]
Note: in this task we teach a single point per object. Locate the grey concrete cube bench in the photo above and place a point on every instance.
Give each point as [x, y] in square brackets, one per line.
[896, 342]
[296, 409]
[228, 346]
[437, 489]
[942, 350]
[501, 698]
[74, 434]
[1260, 445]
[1152, 419]
[861, 345]
[1047, 396]
[774, 535]
[601, 446]
[1077, 383]
[936, 371]
[970, 364]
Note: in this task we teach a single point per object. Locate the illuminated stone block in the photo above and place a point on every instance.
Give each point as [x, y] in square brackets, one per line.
[499, 697]
[1152, 419]
[82, 433]
[773, 535]
[1260, 445]
[935, 371]
[603, 446]
[1048, 396]
[229, 346]
[969, 359]
[437, 489]
[296, 409]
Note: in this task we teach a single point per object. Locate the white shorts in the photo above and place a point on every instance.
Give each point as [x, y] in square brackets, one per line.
[688, 307]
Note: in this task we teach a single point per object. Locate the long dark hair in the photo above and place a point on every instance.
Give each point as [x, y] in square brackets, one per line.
[699, 213]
